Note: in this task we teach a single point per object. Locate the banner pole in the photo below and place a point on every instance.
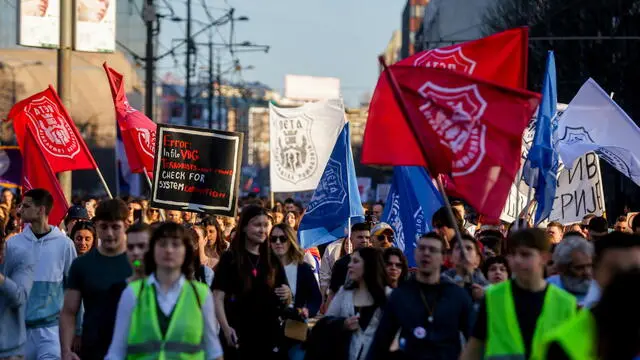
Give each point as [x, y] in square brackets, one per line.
[104, 183]
[273, 199]
[405, 112]
[146, 176]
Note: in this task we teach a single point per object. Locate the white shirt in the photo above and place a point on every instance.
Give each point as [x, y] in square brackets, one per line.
[292, 277]
[166, 302]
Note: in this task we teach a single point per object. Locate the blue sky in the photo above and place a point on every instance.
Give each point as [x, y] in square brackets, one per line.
[337, 38]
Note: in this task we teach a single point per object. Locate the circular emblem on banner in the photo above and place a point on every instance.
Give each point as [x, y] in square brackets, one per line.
[295, 155]
[455, 115]
[450, 59]
[420, 332]
[53, 132]
[147, 140]
[331, 188]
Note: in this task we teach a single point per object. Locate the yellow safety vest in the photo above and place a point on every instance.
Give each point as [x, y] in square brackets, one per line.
[577, 337]
[183, 339]
[504, 340]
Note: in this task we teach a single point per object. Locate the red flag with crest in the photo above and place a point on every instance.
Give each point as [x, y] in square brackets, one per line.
[37, 173]
[53, 131]
[467, 128]
[500, 58]
[138, 131]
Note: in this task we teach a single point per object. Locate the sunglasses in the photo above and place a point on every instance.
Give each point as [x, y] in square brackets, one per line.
[394, 264]
[154, 210]
[279, 239]
[383, 237]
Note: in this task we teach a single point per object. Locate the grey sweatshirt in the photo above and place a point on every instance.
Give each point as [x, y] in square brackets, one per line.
[14, 292]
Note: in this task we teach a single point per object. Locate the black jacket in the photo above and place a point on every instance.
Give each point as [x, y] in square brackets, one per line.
[307, 290]
[421, 340]
[329, 340]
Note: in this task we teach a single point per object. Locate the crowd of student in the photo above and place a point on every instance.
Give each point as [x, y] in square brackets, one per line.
[119, 279]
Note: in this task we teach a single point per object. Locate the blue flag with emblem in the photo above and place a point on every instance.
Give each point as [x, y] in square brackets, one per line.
[541, 167]
[336, 201]
[411, 202]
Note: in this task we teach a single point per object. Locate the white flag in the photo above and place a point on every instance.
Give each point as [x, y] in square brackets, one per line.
[594, 122]
[302, 139]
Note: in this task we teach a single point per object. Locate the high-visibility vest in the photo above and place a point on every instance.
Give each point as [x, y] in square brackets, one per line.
[183, 339]
[504, 339]
[577, 337]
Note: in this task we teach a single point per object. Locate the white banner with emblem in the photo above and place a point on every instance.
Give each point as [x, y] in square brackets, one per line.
[301, 142]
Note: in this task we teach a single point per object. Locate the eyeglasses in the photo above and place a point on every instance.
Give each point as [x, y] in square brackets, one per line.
[279, 239]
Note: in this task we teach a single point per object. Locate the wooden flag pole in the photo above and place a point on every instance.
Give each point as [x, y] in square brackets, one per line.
[104, 183]
[405, 112]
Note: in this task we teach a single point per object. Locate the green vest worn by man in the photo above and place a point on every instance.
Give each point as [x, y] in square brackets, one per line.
[184, 334]
[504, 340]
[576, 337]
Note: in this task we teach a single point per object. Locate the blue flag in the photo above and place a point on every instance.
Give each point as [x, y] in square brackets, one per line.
[336, 201]
[411, 202]
[541, 167]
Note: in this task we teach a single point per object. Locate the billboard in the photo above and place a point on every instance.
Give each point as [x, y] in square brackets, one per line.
[311, 88]
[95, 26]
[39, 23]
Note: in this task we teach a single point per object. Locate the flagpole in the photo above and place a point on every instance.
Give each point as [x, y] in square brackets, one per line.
[146, 176]
[273, 199]
[405, 112]
[104, 183]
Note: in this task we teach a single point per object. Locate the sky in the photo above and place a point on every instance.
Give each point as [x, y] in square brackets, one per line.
[335, 38]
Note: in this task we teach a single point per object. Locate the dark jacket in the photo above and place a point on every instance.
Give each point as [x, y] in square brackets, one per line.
[419, 339]
[307, 290]
[329, 340]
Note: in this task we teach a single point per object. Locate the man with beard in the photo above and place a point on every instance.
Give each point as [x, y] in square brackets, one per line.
[573, 260]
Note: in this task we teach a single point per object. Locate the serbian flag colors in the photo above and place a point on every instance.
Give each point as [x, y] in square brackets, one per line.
[460, 126]
[138, 131]
[37, 173]
[501, 58]
[44, 116]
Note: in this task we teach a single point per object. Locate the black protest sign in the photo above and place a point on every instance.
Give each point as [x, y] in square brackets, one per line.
[197, 170]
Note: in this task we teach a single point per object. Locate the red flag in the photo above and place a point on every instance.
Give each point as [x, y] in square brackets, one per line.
[476, 124]
[138, 131]
[501, 58]
[37, 173]
[53, 130]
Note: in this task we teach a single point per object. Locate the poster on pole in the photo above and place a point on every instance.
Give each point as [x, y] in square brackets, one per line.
[38, 23]
[94, 26]
[197, 170]
[579, 191]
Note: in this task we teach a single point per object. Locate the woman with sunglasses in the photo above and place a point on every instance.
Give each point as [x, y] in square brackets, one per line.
[153, 215]
[251, 290]
[302, 282]
[83, 235]
[166, 316]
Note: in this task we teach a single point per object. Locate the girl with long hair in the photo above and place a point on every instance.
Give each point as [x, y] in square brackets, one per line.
[302, 282]
[251, 290]
[292, 219]
[216, 244]
[166, 315]
[396, 266]
[201, 271]
[84, 236]
[361, 301]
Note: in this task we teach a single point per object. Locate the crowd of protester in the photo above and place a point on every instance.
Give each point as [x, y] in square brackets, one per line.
[119, 279]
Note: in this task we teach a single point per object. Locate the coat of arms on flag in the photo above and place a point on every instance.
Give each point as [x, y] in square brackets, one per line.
[331, 189]
[296, 158]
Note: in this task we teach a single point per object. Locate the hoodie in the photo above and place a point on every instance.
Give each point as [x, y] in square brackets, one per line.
[14, 292]
[52, 255]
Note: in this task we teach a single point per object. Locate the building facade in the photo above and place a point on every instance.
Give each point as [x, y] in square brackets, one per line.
[412, 16]
[448, 22]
